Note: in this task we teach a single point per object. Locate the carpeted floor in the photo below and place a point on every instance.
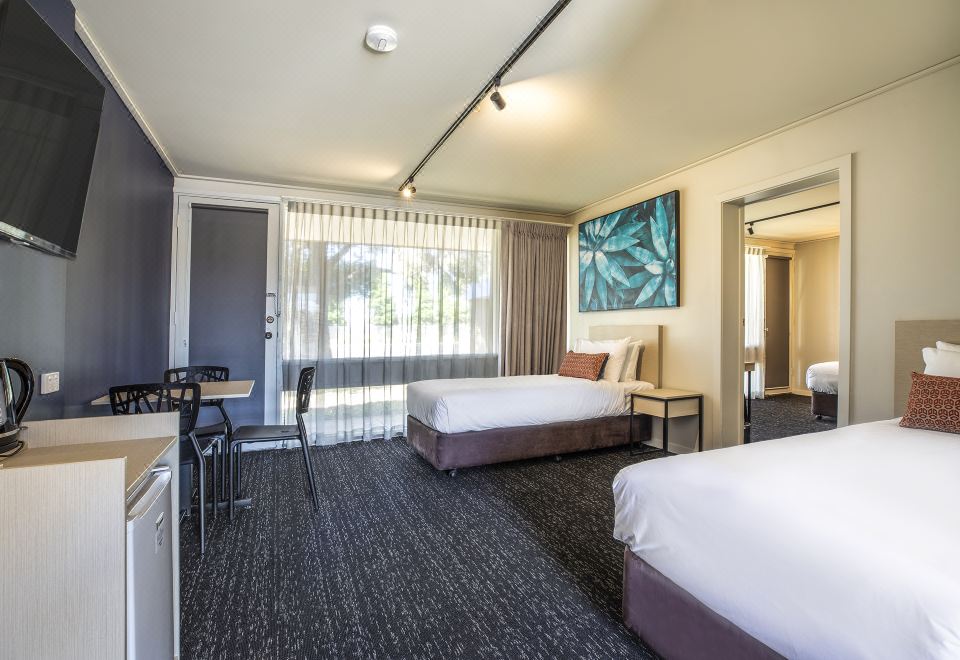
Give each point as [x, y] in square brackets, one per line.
[785, 415]
[403, 561]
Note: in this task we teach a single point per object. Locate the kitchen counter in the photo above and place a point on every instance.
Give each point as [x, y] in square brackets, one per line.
[140, 454]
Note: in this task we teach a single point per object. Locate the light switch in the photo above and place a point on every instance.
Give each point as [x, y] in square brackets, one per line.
[50, 383]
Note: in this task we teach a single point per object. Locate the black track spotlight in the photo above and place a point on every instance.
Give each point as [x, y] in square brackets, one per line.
[750, 230]
[497, 97]
[408, 190]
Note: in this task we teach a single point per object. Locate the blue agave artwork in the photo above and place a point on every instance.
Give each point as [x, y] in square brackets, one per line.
[628, 258]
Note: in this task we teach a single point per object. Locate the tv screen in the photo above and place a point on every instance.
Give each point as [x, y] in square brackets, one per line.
[50, 107]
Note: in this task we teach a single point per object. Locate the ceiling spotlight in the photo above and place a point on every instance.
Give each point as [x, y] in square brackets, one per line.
[497, 97]
[750, 230]
[408, 190]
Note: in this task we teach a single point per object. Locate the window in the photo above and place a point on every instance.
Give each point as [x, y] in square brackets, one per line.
[377, 299]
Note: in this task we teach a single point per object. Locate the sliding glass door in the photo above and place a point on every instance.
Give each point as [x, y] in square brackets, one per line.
[380, 298]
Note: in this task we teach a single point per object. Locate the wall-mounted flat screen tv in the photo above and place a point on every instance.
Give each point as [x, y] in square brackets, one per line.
[50, 106]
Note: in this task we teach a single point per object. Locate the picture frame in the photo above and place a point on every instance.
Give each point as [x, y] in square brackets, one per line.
[630, 258]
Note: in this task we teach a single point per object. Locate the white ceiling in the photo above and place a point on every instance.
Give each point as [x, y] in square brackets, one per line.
[801, 227]
[615, 93]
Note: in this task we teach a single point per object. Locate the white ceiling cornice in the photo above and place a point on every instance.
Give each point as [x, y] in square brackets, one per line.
[800, 122]
[484, 193]
[275, 192]
[128, 101]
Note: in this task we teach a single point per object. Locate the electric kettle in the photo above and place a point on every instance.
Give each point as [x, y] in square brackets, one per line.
[13, 408]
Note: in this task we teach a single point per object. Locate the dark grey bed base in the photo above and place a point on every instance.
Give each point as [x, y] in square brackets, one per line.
[450, 451]
[823, 404]
[677, 625]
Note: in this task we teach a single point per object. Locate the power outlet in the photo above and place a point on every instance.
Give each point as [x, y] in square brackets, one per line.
[50, 383]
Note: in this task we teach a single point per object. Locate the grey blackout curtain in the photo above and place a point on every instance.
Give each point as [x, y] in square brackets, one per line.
[533, 300]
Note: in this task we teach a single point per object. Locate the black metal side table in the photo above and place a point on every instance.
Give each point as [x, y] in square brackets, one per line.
[667, 404]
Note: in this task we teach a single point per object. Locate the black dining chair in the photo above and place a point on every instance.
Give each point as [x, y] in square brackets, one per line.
[182, 398]
[207, 374]
[251, 434]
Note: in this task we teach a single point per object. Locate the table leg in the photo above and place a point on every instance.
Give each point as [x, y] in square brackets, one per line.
[700, 425]
[666, 425]
[223, 452]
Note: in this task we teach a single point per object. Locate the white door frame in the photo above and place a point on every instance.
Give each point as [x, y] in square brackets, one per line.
[730, 340]
[179, 348]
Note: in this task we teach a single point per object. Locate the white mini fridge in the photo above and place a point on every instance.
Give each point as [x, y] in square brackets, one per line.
[150, 569]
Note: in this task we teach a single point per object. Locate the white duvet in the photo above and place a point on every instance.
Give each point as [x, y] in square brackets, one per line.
[824, 377]
[843, 544]
[474, 404]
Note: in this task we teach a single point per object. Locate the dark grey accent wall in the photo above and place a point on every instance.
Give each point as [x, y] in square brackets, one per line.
[102, 319]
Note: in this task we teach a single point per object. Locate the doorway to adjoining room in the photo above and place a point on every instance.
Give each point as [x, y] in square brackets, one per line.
[791, 313]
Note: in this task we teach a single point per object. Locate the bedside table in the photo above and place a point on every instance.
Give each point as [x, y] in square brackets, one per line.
[667, 404]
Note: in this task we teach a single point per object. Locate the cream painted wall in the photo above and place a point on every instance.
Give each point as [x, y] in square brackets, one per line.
[905, 231]
[817, 294]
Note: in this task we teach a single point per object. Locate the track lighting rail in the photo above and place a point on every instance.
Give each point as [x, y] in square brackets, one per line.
[494, 81]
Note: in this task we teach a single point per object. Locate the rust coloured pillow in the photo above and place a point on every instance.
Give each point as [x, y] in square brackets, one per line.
[583, 365]
[933, 404]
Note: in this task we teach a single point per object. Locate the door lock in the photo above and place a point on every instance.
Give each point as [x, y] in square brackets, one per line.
[270, 319]
[269, 335]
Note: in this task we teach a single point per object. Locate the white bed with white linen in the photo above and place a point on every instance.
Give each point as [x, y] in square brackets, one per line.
[842, 544]
[460, 423]
[824, 377]
[476, 404]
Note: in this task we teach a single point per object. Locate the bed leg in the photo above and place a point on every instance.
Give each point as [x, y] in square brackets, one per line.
[452, 472]
[558, 458]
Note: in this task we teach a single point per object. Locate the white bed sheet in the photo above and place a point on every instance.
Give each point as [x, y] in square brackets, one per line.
[474, 404]
[824, 377]
[842, 544]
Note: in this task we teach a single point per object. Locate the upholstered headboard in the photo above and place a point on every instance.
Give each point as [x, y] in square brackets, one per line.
[652, 336]
[911, 338]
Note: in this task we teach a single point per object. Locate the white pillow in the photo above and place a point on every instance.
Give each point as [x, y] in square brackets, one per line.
[617, 348]
[941, 363]
[944, 346]
[631, 366]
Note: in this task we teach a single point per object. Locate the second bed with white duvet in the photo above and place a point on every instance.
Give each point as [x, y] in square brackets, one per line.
[477, 404]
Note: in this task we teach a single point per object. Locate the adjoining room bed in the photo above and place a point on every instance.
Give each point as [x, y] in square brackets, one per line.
[470, 422]
[823, 381]
[835, 544]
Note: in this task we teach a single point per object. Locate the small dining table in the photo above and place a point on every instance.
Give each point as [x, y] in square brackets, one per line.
[213, 390]
[209, 391]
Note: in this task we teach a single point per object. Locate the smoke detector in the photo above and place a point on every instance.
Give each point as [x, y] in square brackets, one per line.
[381, 39]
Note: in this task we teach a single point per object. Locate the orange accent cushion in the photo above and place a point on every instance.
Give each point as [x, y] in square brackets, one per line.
[933, 404]
[583, 365]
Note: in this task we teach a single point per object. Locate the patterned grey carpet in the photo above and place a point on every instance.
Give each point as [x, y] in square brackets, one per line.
[403, 561]
[785, 415]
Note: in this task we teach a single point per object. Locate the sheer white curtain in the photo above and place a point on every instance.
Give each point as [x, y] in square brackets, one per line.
[379, 298]
[754, 334]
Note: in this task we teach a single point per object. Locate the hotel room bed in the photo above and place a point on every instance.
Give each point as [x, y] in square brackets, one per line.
[479, 421]
[823, 381]
[838, 544]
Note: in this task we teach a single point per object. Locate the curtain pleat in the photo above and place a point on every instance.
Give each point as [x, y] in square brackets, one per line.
[534, 298]
[378, 298]
[754, 334]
